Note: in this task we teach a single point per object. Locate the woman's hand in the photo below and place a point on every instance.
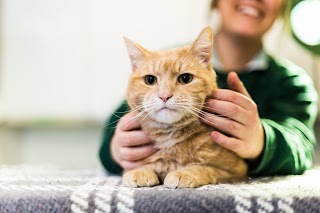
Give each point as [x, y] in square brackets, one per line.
[235, 116]
[130, 145]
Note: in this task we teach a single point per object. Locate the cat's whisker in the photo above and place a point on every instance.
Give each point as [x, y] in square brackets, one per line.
[193, 112]
[215, 109]
[151, 109]
[126, 123]
[198, 111]
[110, 124]
[218, 115]
[148, 105]
[228, 115]
[196, 114]
[207, 102]
[127, 111]
[144, 119]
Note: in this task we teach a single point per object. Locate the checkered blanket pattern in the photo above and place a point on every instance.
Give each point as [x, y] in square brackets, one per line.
[45, 189]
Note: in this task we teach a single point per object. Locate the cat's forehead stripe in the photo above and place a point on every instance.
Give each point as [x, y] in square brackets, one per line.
[157, 66]
[170, 63]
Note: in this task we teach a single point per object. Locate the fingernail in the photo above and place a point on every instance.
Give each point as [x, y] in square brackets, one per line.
[214, 135]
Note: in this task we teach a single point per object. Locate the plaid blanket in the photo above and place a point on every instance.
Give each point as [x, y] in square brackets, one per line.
[48, 189]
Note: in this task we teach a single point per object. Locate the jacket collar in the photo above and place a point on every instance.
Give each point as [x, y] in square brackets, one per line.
[258, 63]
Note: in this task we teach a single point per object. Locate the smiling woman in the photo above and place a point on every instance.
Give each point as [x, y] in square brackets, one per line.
[248, 18]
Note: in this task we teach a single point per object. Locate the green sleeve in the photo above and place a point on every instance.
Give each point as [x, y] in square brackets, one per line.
[105, 153]
[288, 124]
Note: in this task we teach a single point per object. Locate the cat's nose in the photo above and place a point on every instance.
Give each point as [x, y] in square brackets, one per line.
[165, 97]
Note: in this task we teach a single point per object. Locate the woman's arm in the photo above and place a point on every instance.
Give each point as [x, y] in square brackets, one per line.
[288, 144]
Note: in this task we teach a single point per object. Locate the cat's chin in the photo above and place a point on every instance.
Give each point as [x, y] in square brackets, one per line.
[167, 116]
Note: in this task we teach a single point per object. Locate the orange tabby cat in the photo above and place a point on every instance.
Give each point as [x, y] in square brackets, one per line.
[168, 89]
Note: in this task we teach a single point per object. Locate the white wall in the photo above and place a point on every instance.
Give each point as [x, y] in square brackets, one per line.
[71, 147]
[64, 62]
[66, 59]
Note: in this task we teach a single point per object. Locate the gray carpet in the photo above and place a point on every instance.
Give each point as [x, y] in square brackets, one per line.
[35, 189]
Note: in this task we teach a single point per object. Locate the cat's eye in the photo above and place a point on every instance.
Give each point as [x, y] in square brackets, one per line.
[185, 78]
[150, 80]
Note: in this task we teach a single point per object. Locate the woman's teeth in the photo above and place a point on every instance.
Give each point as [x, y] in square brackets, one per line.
[250, 11]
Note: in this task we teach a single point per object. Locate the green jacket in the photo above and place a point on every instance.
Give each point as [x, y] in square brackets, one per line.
[287, 104]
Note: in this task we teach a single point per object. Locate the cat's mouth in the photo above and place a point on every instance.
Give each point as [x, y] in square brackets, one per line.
[164, 108]
[165, 114]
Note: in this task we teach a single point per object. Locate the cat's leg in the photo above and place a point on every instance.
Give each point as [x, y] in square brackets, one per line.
[194, 176]
[140, 177]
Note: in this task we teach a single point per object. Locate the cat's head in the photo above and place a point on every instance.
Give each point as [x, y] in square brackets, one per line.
[172, 84]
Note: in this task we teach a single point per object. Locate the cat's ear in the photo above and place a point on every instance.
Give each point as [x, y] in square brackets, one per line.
[136, 52]
[202, 47]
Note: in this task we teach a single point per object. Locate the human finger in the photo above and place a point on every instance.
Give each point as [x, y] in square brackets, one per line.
[223, 124]
[137, 153]
[129, 165]
[128, 122]
[230, 143]
[233, 97]
[226, 109]
[235, 84]
[133, 138]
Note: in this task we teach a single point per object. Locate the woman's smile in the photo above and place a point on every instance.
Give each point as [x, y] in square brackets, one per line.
[249, 11]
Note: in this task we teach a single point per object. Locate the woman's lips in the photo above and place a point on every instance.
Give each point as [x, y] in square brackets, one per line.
[249, 11]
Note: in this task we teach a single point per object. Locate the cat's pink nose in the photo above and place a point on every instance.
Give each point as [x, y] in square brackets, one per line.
[165, 97]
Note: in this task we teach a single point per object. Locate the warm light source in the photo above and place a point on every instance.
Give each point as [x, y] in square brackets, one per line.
[305, 18]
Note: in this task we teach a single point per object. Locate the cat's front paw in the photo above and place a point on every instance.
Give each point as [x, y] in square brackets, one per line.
[140, 177]
[184, 179]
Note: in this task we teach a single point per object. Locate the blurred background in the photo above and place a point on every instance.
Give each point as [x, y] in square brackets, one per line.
[64, 68]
